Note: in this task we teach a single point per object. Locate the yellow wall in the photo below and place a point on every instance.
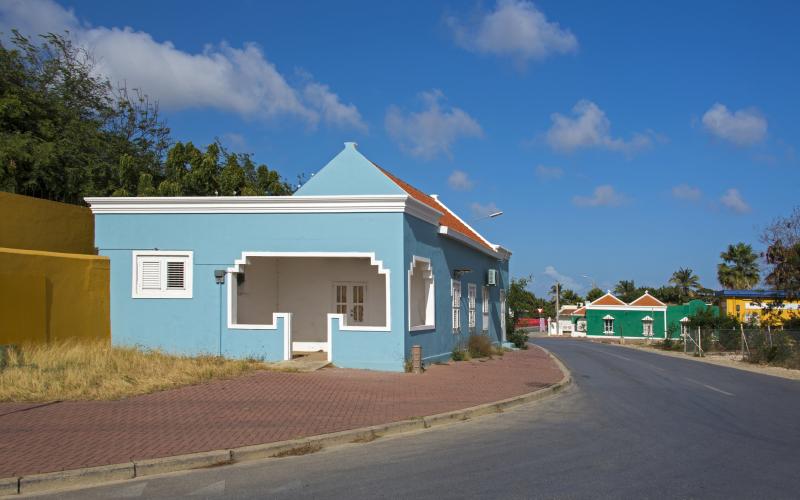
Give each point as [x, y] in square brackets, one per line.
[35, 224]
[747, 307]
[47, 296]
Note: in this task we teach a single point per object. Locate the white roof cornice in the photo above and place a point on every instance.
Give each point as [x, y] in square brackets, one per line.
[400, 203]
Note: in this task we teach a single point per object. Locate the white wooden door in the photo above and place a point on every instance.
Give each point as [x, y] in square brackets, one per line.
[350, 299]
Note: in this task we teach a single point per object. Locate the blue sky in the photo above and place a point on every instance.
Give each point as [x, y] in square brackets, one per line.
[621, 139]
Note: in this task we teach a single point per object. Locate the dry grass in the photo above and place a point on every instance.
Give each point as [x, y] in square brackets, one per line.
[96, 370]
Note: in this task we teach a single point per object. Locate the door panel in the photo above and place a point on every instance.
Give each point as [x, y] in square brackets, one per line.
[350, 299]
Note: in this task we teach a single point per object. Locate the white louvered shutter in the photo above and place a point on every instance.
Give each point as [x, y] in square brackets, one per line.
[150, 274]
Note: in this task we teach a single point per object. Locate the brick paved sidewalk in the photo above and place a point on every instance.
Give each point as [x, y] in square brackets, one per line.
[259, 408]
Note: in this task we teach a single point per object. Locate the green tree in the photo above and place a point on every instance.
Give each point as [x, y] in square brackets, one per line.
[739, 267]
[570, 297]
[594, 294]
[686, 282]
[626, 290]
[66, 133]
[782, 239]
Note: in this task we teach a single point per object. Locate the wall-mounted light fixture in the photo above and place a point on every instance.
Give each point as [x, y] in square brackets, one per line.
[457, 273]
[219, 276]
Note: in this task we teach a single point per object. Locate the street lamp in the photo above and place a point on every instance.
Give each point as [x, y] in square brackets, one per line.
[490, 216]
[594, 285]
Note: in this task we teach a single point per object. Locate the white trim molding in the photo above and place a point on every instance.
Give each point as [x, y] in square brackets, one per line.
[453, 234]
[394, 203]
[430, 305]
[310, 346]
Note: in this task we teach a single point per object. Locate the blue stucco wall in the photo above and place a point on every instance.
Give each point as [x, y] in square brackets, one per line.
[198, 325]
[422, 239]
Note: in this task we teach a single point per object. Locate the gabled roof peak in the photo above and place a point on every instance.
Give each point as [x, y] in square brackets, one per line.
[647, 300]
[609, 299]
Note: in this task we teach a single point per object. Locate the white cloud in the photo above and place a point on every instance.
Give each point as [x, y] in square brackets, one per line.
[515, 28]
[236, 140]
[549, 173]
[433, 130]
[566, 281]
[331, 108]
[239, 80]
[460, 181]
[603, 196]
[686, 192]
[732, 200]
[745, 127]
[479, 210]
[590, 128]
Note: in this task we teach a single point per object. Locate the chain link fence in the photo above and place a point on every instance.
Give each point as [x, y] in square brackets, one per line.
[765, 344]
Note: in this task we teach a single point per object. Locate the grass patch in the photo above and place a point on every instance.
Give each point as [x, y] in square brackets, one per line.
[73, 370]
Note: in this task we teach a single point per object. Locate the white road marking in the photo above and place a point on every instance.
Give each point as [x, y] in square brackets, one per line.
[212, 489]
[132, 491]
[709, 387]
[630, 359]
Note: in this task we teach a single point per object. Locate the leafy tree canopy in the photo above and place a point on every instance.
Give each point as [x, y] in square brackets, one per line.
[782, 239]
[66, 133]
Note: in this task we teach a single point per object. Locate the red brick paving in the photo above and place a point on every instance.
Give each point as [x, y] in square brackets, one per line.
[259, 408]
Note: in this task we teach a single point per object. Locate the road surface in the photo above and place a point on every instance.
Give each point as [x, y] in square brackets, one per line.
[634, 425]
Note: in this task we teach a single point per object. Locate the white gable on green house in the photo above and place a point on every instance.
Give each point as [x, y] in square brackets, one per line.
[349, 173]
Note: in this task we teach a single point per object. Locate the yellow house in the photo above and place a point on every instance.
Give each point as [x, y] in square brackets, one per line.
[758, 305]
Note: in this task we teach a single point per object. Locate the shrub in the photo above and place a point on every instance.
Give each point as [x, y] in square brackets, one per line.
[479, 346]
[458, 354]
[519, 339]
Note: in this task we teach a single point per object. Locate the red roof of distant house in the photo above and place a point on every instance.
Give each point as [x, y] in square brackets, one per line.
[448, 218]
[581, 311]
[647, 300]
[608, 300]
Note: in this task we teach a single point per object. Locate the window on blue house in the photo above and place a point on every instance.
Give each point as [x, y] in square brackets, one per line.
[162, 274]
[455, 292]
[421, 296]
[485, 308]
[472, 292]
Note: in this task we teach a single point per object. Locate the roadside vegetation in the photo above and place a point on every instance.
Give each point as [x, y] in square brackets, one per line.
[74, 370]
[477, 346]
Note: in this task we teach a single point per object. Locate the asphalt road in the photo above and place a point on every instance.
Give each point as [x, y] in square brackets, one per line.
[634, 425]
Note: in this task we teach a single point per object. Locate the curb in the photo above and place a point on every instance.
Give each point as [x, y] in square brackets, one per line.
[92, 476]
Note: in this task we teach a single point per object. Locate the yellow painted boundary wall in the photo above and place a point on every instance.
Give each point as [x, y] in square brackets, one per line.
[52, 286]
[34, 224]
[49, 296]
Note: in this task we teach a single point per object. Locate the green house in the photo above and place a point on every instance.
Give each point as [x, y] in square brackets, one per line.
[645, 317]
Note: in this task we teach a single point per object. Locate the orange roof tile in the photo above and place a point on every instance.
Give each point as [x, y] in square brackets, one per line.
[647, 300]
[608, 300]
[579, 312]
[448, 218]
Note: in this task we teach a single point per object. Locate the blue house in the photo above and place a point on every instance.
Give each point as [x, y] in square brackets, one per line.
[357, 264]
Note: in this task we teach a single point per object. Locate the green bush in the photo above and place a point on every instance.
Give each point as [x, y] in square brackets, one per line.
[479, 346]
[519, 339]
[458, 354]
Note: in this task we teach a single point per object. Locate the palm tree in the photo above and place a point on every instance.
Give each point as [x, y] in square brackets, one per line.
[739, 267]
[626, 290]
[686, 282]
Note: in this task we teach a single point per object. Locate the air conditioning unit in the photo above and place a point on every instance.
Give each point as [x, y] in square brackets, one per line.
[491, 277]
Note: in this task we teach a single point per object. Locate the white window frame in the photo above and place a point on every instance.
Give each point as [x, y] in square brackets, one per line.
[455, 295]
[503, 312]
[606, 322]
[162, 256]
[485, 308]
[647, 327]
[472, 297]
[430, 304]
